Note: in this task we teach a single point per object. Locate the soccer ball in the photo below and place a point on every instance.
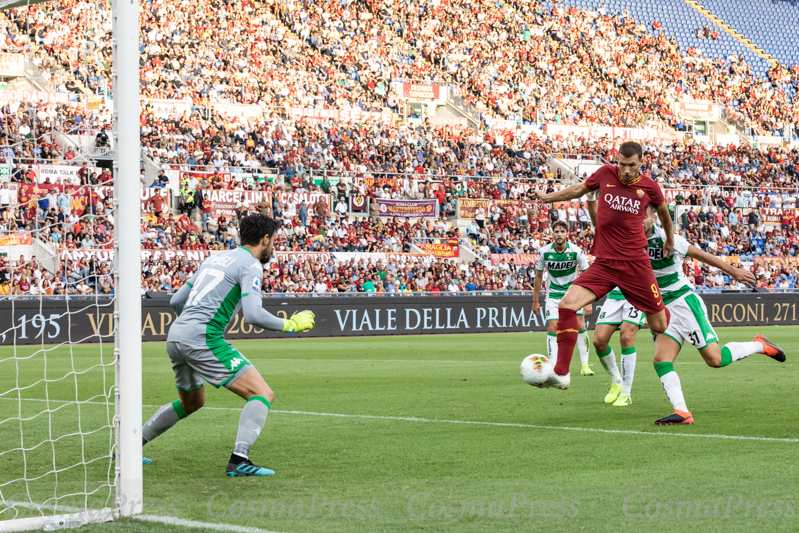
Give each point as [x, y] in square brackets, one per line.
[537, 370]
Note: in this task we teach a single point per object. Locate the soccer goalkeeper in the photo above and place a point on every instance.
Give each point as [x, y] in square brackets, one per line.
[196, 345]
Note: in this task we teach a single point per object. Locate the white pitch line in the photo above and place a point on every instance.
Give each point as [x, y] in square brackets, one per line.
[534, 426]
[677, 363]
[169, 520]
[481, 423]
[173, 521]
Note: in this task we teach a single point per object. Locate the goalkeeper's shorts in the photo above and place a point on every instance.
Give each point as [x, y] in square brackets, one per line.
[219, 364]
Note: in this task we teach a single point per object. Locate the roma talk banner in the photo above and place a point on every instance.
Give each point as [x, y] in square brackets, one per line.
[223, 202]
[407, 208]
[421, 91]
[17, 238]
[443, 248]
[516, 259]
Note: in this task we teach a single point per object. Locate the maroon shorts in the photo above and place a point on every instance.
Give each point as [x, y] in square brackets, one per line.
[635, 279]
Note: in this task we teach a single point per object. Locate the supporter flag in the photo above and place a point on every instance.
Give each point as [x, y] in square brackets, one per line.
[358, 202]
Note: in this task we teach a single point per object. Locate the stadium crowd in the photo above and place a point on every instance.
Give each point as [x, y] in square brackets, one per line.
[513, 229]
[563, 64]
[559, 65]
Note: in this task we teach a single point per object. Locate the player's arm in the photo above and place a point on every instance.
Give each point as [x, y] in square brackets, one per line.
[744, 276]
[537, 282]
[569, 193]
[254, 312]
[591, 205]
[582, 263]
[178, 299]
[665, 221]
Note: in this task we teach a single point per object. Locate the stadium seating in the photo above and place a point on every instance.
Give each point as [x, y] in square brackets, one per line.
[768, 24]
[682, 21]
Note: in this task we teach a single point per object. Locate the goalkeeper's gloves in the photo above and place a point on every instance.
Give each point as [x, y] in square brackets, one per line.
[302, 321]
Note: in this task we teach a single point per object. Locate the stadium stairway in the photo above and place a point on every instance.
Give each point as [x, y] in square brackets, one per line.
[760, 52]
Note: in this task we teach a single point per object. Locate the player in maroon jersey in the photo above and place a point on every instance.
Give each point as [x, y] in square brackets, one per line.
[619, 249]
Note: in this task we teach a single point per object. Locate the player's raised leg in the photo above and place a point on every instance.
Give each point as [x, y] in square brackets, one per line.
[666, 350]
[735, 351]
[719, 357]
[252, 387]
[568, 331]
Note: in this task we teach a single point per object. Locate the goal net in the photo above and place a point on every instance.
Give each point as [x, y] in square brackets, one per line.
[57, 411]
[70, 365]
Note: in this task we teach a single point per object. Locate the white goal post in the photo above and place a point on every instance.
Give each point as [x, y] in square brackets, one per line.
[127, 245]
[124, 442]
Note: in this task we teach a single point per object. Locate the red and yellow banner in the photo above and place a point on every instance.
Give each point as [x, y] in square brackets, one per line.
[778, 215]
[443, 248]
[14, 239]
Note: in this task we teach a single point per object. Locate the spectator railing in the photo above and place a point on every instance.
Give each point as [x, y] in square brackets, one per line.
[422, 294]
[347, 176]
[36, 75]
[455, 99]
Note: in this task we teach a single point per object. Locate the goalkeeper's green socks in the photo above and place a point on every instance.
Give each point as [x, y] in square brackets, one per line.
[253, 418]
[163, 419]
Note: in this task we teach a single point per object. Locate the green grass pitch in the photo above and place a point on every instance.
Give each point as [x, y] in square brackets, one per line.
[518, 469]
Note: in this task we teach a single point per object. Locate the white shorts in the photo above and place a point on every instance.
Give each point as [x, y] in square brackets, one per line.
[551, 309]
[689, 322]
[615, 312]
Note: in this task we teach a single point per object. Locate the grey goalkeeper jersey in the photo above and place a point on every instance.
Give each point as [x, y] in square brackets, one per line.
[213, 295]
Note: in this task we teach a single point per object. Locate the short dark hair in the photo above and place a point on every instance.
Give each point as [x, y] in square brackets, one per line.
[631, 148]
[254, 227]
[562, 223]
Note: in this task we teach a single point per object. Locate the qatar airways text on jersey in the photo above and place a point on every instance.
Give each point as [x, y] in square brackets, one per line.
[622, 203]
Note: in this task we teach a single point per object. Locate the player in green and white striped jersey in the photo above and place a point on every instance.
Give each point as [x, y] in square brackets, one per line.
[617, 313]
[562, 260]
[689, 318]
